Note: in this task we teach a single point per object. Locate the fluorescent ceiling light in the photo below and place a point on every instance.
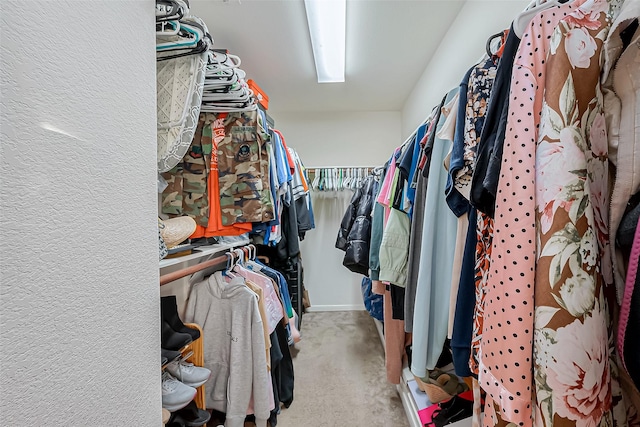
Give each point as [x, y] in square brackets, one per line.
[327, 27]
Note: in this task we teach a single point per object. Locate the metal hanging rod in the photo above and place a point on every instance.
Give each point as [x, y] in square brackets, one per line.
[340, 167]
[222, 260]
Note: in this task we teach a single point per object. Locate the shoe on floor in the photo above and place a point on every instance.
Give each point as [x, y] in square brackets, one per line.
[165, 416]
[175, 395]
[191, 416]
[188, 373]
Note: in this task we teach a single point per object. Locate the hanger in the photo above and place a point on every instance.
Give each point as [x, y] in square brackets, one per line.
[170, 10]
[254, 251]
[245, 253]
[187, 36]
[231, 262]
[167, 28]
[490, 40]
[524, 18]
[167, 54]
[240, 259]
[221, 59]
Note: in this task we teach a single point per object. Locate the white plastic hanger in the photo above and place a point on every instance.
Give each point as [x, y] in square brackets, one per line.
[347, 179]
[316, 179]
[536, 6]
[167, 28]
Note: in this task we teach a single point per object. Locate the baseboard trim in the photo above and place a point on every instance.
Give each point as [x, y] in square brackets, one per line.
[345, 307]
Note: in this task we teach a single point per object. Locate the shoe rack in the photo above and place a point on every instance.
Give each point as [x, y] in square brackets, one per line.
[196, 348]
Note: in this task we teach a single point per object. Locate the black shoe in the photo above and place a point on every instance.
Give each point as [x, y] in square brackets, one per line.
[169, 309]
[455, 409]
[169, 355]
[172, 340]
[446, 358]
[192, 416]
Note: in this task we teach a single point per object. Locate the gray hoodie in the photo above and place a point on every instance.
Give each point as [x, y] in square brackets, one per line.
[233, 347]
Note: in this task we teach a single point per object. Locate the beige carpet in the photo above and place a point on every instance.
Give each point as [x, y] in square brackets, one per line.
[339, 375]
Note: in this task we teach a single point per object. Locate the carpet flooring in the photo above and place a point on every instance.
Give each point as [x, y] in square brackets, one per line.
[340, 379]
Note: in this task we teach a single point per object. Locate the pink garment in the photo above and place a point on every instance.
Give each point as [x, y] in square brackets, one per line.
[426, 414]
[272, 303]
[384, 196]
[377, 287]
[507, 338]
[394, 342]
[625, 309]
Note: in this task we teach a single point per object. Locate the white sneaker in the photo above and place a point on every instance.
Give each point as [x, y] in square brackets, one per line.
[188, 373]
[175, 395]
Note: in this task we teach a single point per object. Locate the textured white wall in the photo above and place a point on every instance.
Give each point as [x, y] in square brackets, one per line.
[336, 139]
[79, 295]
[460, 48]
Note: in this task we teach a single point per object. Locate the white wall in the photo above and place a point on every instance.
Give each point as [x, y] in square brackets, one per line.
[359, 138]
[336, 139]
[461, 47]
[79, 295]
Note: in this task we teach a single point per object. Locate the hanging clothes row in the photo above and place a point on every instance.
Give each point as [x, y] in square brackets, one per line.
[247, 319]
[494, 234]
[337, 178]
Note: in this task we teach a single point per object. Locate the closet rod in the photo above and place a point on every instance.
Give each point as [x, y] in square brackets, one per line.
[340, 167]
[183, 272]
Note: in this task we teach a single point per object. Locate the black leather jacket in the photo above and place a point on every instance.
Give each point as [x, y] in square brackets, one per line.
[354, 235]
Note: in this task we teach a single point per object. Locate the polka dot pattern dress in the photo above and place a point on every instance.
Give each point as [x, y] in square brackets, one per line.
[506, 366]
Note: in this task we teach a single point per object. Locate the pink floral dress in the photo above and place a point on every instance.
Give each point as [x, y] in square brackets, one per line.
[574, 363]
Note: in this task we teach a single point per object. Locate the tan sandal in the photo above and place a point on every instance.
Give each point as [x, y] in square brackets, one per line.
[433, 375]
[444, 387]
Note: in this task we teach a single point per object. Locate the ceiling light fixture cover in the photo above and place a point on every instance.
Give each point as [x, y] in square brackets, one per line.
[327, 27]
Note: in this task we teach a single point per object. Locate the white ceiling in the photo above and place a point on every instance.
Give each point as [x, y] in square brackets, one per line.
[389, 44]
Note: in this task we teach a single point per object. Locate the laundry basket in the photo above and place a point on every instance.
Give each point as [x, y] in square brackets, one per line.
[180, 83]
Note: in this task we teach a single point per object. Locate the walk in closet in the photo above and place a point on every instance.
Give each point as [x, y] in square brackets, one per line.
[368, 213]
